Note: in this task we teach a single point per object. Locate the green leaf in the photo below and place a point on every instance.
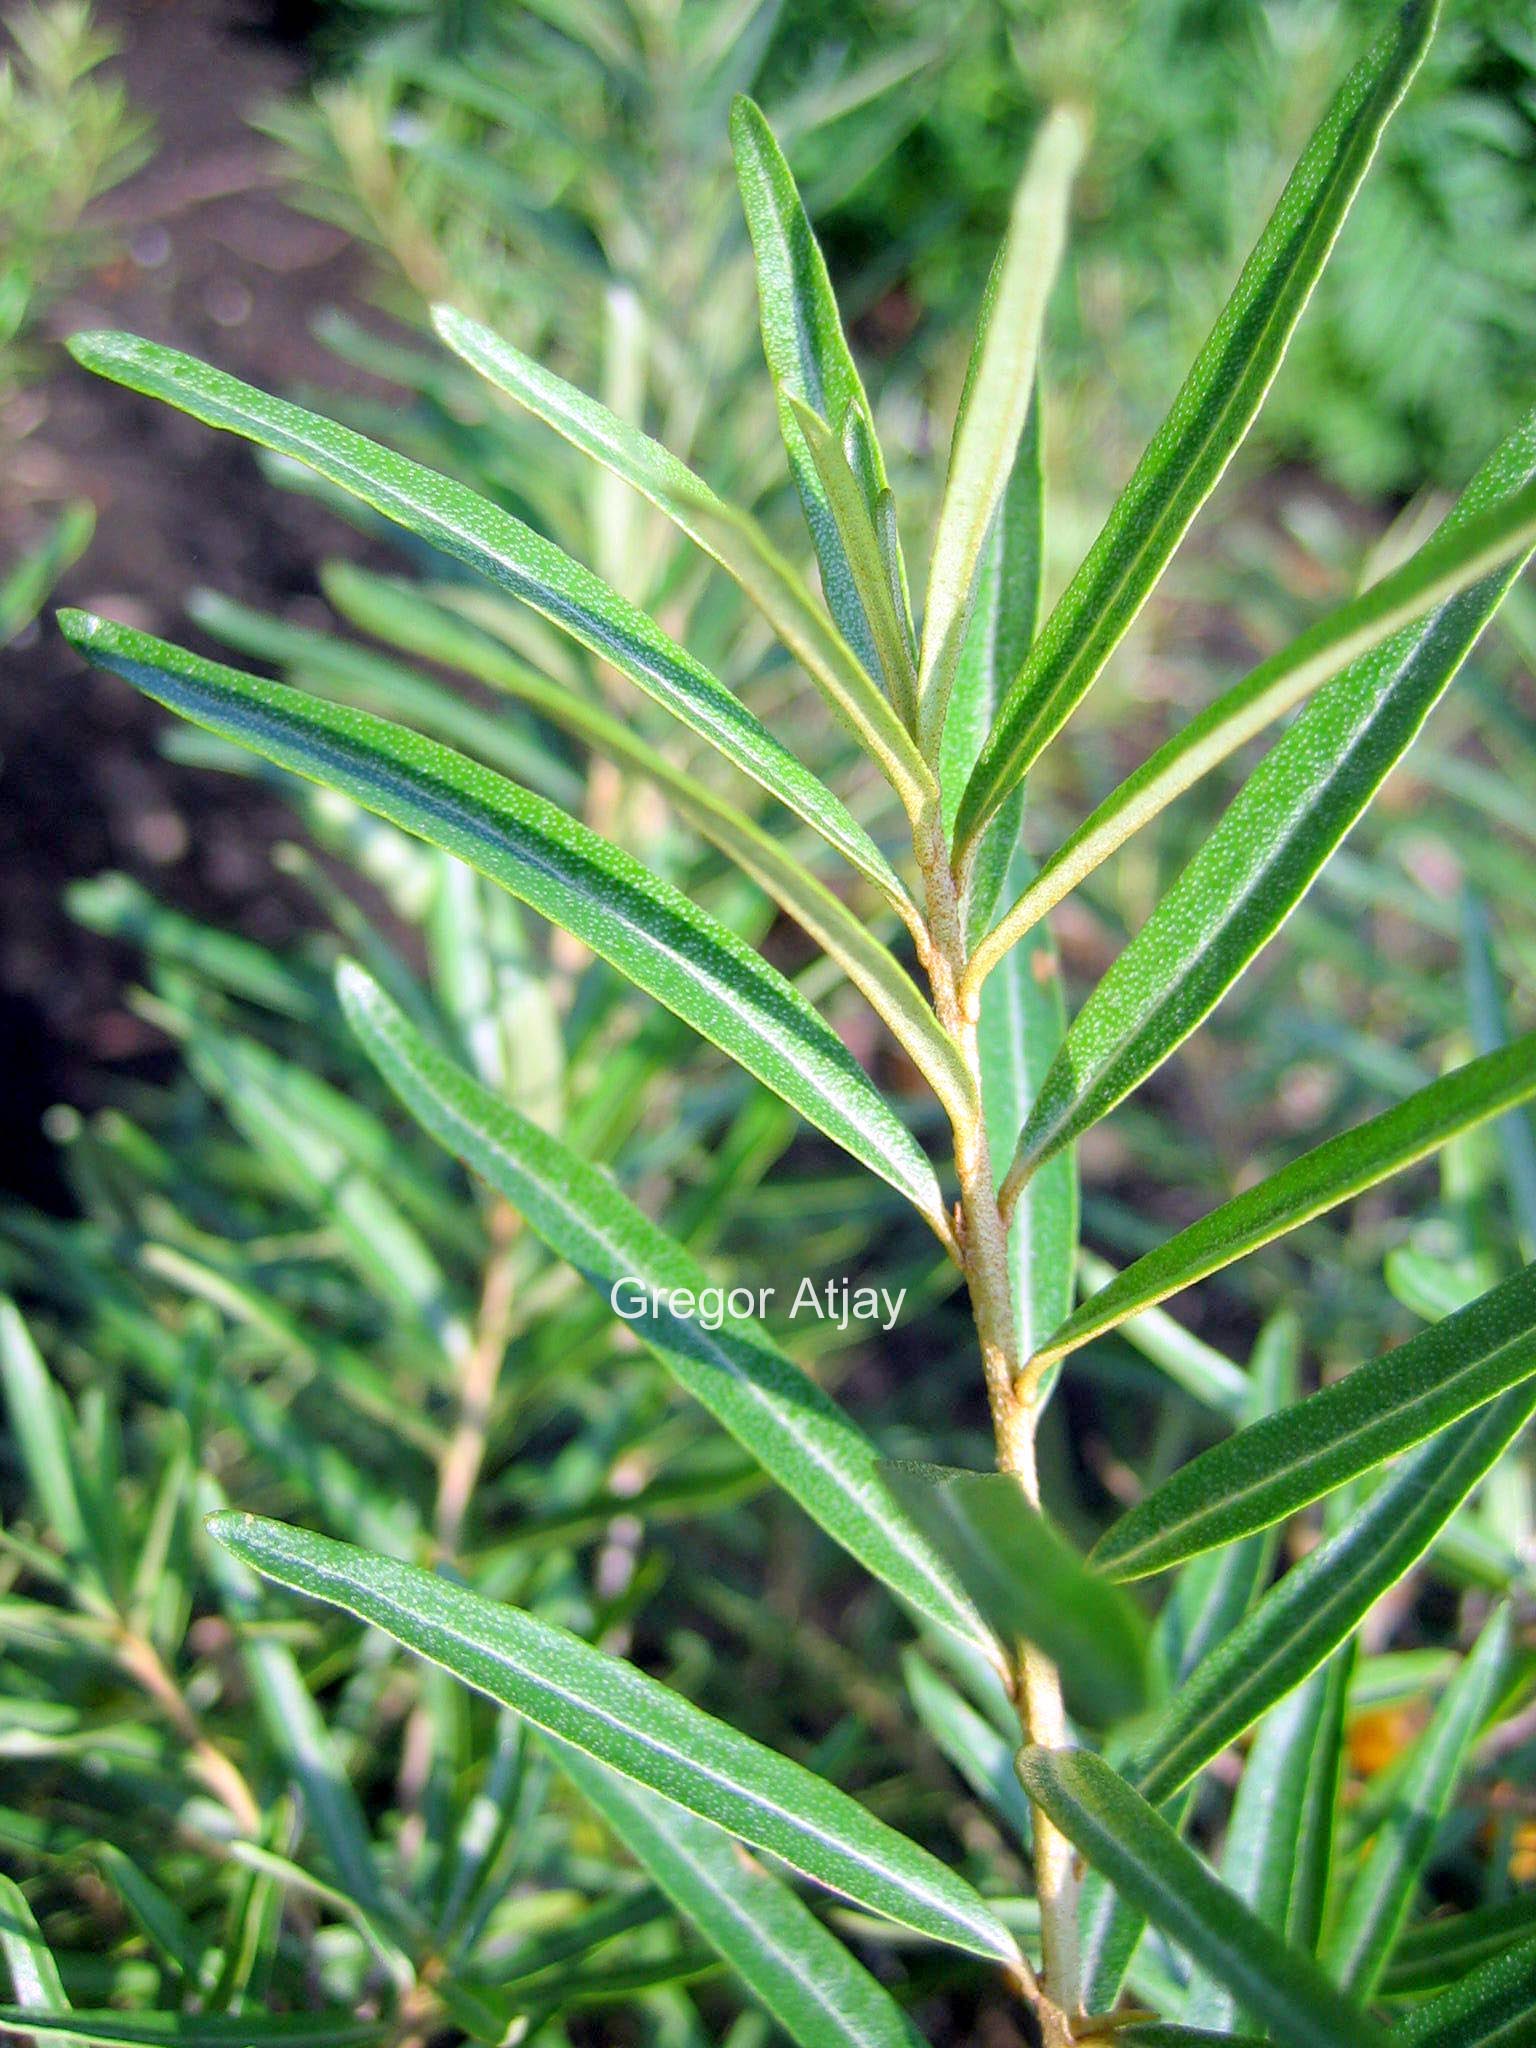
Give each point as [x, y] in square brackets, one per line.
[883, 605]
[1320, 1601]
[1329, 1174]
[999, 384]
[200, 2030]
[635, 1725]
[402, 614]
[1490, 1031]
[1493, 2007]
[1269, 846]
[808, 356]
[42, 1431]
[1440, 1951]
[642, 926]
[731, 537]
[1280, 1838]
[1378, 1900]
[1161, 2034]
[1206, 1374]
[1030, 1584]
[1022, 1022]
[1005, 615]
[799, 1435]
[797, 1971]
[1118, 1833]
[1212, 412]
[1450, 561]
[1278, 1464]
[970, 1741]
[34, 1975]
[472, 530]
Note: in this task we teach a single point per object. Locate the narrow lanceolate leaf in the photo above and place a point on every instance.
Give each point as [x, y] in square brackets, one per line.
[1030, 1584]
[1270, 845]
[883, 604]
[1320, 1601]
[1492, 2007]
[632, 1723]
[998, 388]
[34, 1975]
[400, 613]
[808, 356]
[1209, 417]
[1277, 1465]
[1022, 1023]
[799, 1435]
[1005, 615]
[1118, 1833]
[336, 2029]
[1377, 1902]
[642, 926]
[472, 530]
[1331, 1173]
[1447, 563]
[1280, 1838]
[734, 539]
[40, 1429]
[1442, 1950]
[791, 1964]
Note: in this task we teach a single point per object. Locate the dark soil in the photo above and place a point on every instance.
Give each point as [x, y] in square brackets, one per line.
[215, 261]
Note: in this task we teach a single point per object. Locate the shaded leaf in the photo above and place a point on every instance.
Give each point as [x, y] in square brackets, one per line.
[1029, 1583]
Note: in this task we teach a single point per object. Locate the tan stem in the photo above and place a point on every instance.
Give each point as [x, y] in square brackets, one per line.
[143, 1663]
[984, 1250]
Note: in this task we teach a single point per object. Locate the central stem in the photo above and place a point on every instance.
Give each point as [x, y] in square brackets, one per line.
[1015, 1409]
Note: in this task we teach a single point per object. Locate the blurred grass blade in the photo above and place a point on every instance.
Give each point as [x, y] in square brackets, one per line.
[642, 926]
[1279, 1464]
[1206, 1374]
[1331, 1173]
[971, 1743]
[632, 1723]
[799, 1435]
[473, 530]
[1320, 1601]
[1274, 838]
[1117, 1832]
[797, 1971]
[1436, 1952]
[34, 1975]
[731, 537]
[999, 385]
[808, 356]
[1383, 1889]
[41, 1429]
[1206, 423]
[1490, 1031]
[199, 2030]
[1492, 2007]
[1452, 560]
[1280, 1836]
[1030, 1584]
